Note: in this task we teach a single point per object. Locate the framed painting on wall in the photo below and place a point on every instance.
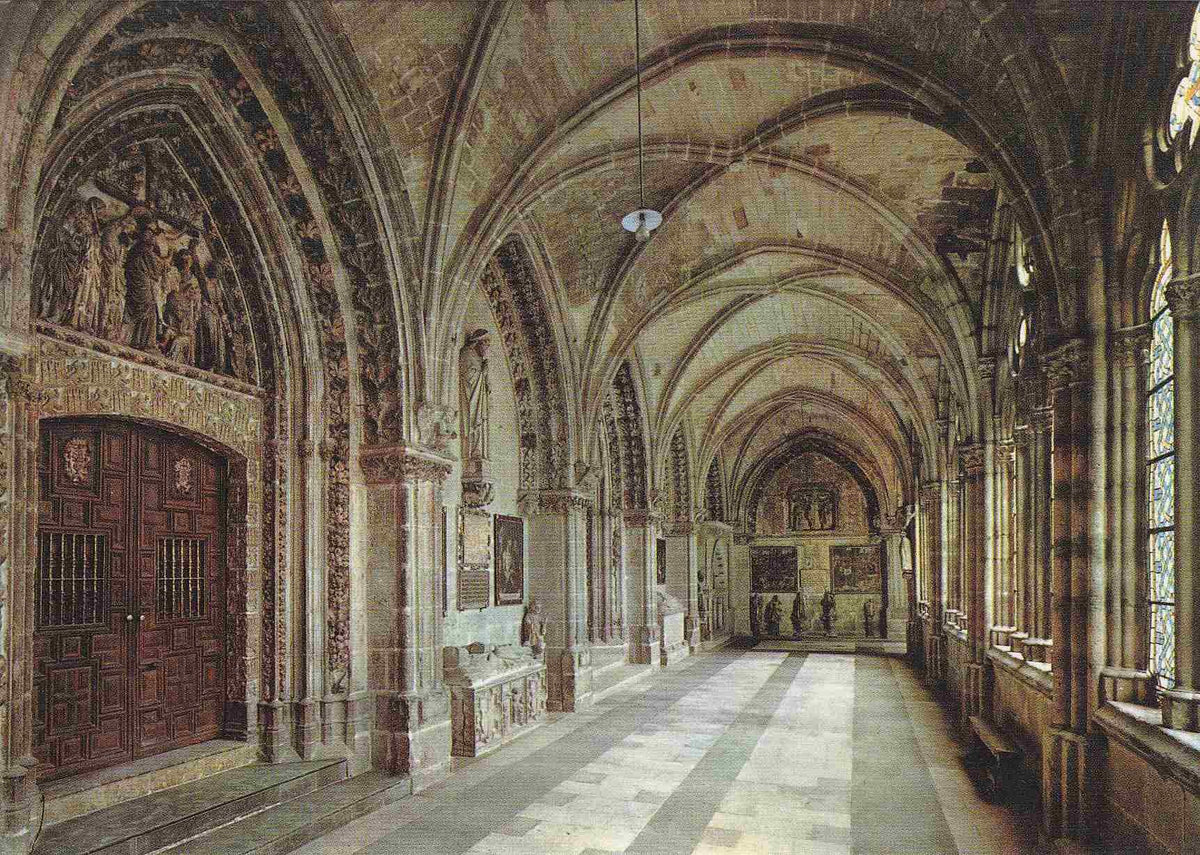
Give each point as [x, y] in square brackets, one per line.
[774, 569]
[856, 569]
[510, 560]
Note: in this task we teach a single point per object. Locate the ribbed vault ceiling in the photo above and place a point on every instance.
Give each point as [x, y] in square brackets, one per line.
[819, 267]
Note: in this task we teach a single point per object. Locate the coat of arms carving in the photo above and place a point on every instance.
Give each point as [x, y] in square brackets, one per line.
[77, 460]
[183, 476]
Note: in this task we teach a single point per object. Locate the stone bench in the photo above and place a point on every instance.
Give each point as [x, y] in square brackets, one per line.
[998, 756]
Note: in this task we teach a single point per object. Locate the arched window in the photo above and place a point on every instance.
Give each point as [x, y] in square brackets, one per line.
[1160, 458]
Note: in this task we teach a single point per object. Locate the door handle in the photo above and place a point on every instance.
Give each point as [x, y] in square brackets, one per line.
[141, 618]
[128, 618]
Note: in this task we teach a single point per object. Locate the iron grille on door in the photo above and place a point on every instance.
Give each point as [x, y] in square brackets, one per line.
[180, 578]
[72, 579]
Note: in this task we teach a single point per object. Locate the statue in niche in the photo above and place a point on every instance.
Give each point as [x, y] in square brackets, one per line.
[475, 395]
[756, 614]
[799, 618]
[828, 611]
[774, 615]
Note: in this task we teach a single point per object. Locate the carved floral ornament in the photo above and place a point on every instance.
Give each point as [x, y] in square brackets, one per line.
[77, 459]
[183, 476]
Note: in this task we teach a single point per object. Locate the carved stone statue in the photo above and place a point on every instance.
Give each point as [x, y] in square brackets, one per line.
[828, 609]
[868, 610]
[475, 395]
[774, 615]
[533, 627]
[145, 272]
[756, 614]
[798, 616]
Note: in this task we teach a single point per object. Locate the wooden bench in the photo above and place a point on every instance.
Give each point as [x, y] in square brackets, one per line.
[998, 756]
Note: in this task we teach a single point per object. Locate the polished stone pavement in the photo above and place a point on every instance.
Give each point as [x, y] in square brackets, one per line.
[730, 753]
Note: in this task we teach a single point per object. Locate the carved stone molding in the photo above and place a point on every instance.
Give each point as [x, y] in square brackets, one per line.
[403, 463]
[536, 502]
[642, 517]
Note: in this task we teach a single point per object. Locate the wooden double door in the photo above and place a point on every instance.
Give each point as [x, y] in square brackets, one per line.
[129, 594]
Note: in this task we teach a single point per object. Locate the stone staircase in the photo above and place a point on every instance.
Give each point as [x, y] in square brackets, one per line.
[260, 808]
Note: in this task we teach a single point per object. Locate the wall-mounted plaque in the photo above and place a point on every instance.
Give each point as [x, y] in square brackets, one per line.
[474, 538]
[774, 569]
[856, 569]
[474, 559]
[474, 588]
[510, 560]
[661, 553]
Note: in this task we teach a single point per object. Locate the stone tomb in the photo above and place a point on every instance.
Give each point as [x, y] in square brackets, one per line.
[496, 695]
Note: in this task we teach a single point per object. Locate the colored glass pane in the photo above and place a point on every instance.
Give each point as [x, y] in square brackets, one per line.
[1162, 492]
[1160, 480]
[1161, 423]
[1185, 105]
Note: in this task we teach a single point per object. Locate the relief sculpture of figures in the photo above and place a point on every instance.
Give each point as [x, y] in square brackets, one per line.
[125, 273]
[473, 379]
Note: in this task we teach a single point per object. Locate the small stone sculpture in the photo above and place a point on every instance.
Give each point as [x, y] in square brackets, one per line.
[774, 615]
[828, 608]
[868, 609]
[533, 628]
[798, 616]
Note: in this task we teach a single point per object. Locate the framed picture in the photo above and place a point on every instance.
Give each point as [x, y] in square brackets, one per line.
[510, 560]
[660, 577]
[774, 569]
[856, 569]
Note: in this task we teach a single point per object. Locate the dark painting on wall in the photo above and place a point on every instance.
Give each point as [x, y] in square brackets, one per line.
[510, 560]
[856, 569]
[661, 551]
[774, 569]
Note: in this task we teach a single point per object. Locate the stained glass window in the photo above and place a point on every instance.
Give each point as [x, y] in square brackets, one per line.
[1185, 106]
[1160, 423]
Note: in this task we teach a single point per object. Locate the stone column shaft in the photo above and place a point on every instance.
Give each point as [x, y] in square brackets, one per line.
[640, 532]
[558, 578]
[1043, 519]
[1022, 531]
[403, 487]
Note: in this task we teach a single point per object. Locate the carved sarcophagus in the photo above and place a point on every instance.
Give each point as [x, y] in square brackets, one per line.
[495, 696]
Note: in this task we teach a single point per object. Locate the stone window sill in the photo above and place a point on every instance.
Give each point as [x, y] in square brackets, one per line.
[1173, 753]
[1035, 674]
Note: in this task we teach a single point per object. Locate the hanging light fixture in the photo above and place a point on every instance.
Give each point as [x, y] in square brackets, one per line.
[644, 220]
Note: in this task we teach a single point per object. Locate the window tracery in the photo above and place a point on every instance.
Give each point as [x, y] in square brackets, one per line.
[1185, 104]
[1160, 460]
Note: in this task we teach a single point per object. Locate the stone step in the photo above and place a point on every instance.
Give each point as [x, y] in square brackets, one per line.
[622, 676]
[289, 825]
[167, 817]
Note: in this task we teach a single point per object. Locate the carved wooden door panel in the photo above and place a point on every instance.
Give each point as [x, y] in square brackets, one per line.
[178, 687]
[128, 595]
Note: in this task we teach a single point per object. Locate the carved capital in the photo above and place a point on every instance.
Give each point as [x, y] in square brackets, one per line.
[477, 493]
[1042, 419]
[987, 371]
[931, 491]
[1021, 434]
[1183, 297]
[972, 458]
[1128, 344]
[401, 463]
[1067, 364]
